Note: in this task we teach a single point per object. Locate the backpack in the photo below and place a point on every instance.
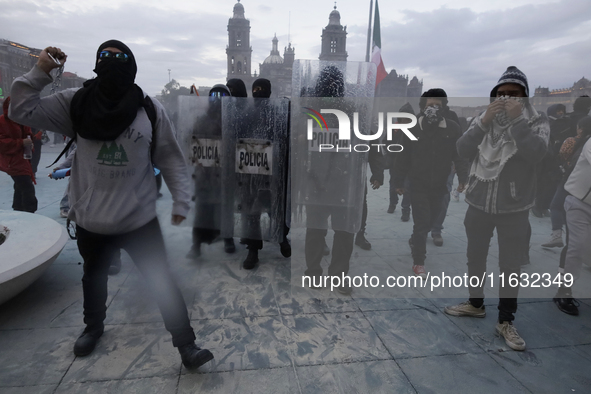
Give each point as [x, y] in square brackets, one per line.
[567, 168]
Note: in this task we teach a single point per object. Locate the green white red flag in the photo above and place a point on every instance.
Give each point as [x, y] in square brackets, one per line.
[376, 52]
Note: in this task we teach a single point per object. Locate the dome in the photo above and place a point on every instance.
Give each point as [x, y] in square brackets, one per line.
[273, 59]
[335, 17]
[238, 10]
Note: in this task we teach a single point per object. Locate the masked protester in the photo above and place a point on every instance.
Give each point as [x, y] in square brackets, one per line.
[261, 88]
[504, 144]
[14, 138]
[237, 87]
[427, 163]
[119, 133]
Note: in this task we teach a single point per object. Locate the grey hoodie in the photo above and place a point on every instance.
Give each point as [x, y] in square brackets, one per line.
[112, 184]
[579, 181]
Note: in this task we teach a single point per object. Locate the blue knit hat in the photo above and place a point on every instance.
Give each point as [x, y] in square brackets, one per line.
[512, 75]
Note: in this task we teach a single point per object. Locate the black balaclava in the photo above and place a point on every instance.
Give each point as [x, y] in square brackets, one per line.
[265, 85]
[582, 104]
[553, 109]
[237, 87]
[330, 83]
[107, 105]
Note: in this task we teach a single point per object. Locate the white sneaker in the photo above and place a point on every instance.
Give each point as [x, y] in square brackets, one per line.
[555, 240]
[512, 338]
[465, 309]
[455, 195]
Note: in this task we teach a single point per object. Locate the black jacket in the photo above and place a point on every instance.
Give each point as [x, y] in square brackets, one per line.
[514, 189]
[428, 161]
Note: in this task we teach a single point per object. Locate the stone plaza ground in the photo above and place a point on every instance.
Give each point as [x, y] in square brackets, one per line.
[267, 338]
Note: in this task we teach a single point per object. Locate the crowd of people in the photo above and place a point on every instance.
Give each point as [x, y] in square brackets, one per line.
[510, 159]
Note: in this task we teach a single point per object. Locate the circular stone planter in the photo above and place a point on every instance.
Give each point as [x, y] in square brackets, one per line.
[34, 243]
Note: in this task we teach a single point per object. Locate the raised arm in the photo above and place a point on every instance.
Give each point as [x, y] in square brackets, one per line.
[28, 108]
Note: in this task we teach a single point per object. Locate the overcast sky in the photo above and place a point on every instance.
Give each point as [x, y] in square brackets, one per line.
[462, 46]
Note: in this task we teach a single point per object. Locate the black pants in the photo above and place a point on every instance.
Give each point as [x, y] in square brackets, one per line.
[146, 248]
[342, 248]
[425, 210]
[363, 214]
[24, 194]
[512, 234]
[257, 244]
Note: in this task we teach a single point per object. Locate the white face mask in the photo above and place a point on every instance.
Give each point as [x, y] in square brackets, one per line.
[502, 118]
[433, 114]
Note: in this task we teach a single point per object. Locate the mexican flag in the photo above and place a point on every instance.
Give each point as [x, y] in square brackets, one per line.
[376, 52]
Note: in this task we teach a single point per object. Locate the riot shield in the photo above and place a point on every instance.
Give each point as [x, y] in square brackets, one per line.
[328, 157]
[199, 133]
[254, 162]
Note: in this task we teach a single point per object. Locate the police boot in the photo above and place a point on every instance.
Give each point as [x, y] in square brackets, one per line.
[361, 241]
[195, 251]
[115, 266]
[285, 248]
[251, 260]
[193, 356]
[229, 246]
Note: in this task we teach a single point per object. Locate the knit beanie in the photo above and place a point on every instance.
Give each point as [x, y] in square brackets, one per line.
[512, 75]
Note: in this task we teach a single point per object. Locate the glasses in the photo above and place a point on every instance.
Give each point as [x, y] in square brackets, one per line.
[122, 57]
[218, 94]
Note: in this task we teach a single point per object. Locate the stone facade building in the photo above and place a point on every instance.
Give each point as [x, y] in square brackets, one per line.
[544, 97]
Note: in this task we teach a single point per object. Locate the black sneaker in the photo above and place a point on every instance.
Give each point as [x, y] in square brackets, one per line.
[405, 216]
[362, 242]
[251, 260]
[391, 208]
[229, 246]
[86, 342]
[437, 239]
[193, 357]
[285, 248]
[567, 305]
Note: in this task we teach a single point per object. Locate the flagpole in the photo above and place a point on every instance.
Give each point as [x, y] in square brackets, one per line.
[368, 49]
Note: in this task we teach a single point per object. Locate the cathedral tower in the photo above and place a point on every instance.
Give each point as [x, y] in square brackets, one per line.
[334, 38]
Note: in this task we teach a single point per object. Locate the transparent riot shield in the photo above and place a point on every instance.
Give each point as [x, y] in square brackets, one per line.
[255, 158]
[199, 132]
[328, 152]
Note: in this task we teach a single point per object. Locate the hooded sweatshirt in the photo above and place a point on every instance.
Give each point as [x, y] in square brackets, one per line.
[11, 145]
[579, 181]
[112, 184]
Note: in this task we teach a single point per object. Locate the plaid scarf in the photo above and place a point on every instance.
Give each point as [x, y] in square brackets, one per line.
[498, 145]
